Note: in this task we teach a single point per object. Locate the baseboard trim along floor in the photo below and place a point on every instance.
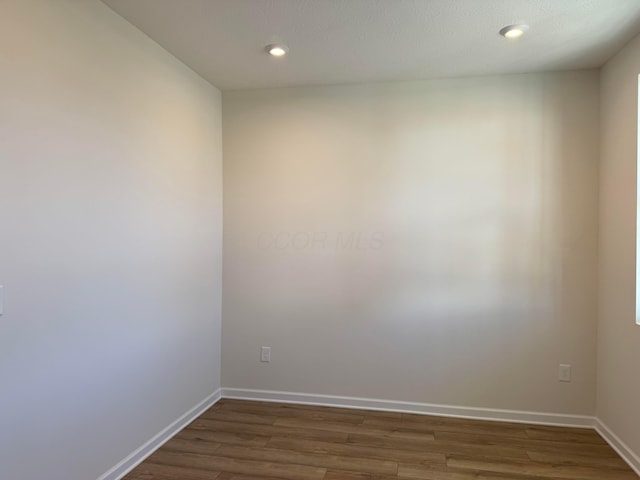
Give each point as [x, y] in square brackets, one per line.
[139, 455]
[555, 419]
[619, 446]
[580, 421]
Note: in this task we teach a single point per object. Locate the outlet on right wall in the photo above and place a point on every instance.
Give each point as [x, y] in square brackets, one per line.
[618, 401]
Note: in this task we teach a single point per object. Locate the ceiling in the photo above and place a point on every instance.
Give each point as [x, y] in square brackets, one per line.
[350, 41]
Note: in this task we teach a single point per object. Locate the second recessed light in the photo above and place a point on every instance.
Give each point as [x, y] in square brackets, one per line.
[277, 50]
[512, 32]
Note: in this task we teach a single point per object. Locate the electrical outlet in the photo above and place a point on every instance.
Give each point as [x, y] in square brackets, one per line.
[265, 354]
[564, 372]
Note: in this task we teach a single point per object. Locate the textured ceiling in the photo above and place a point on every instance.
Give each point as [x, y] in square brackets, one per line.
[346, 41]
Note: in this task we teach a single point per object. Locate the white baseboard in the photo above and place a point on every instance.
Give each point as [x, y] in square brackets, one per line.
[137, 456]
[580, 421]
[618, 445]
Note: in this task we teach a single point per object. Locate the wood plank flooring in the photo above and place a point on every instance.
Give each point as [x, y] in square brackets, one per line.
[241, 440]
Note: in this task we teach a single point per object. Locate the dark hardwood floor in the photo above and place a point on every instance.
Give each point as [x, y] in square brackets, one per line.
[240, 440]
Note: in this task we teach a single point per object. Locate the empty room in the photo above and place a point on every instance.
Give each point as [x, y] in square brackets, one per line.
[319, 240]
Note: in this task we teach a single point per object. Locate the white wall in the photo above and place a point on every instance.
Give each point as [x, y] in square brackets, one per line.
[475, 202]
[618, 334]
[110, 239]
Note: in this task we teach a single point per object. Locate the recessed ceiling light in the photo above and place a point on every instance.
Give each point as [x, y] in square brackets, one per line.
[277, 50]
[514, 31]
